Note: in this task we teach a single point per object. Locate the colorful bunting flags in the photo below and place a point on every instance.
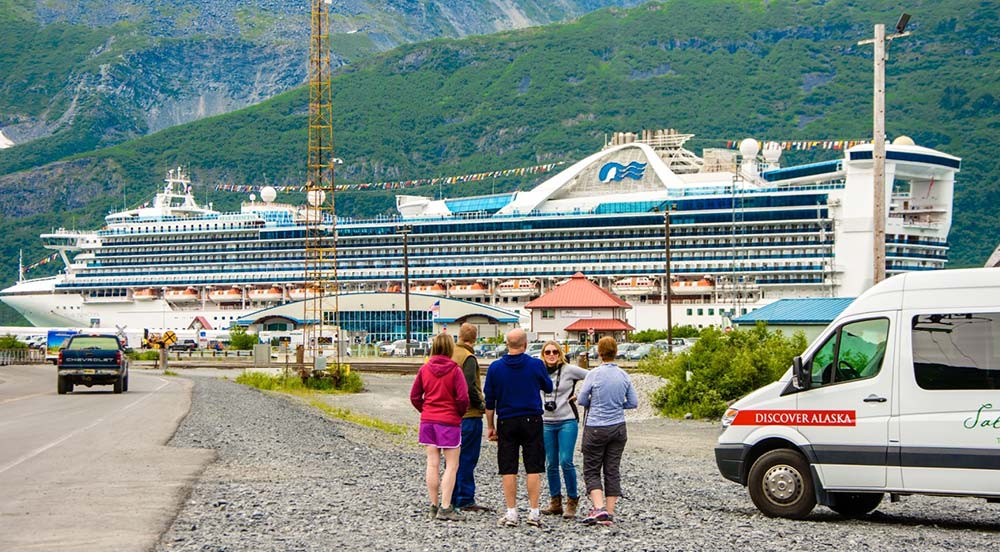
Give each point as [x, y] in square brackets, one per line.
[398, 184]
[44, 261]
[804, 145]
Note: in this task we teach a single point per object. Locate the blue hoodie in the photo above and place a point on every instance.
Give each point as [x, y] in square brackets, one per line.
[512, 387]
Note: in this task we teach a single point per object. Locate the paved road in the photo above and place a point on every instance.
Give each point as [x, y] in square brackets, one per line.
[89, 470]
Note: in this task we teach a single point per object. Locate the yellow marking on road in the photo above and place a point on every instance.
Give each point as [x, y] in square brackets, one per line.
[22, 398]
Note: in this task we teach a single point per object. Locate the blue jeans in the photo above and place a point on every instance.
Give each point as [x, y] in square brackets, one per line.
[560, 440]
[465, 482]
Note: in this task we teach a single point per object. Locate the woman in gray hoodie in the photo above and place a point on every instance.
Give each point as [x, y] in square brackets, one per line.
[560, 428]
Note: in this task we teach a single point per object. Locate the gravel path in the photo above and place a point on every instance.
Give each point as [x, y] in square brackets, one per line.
[288, 478]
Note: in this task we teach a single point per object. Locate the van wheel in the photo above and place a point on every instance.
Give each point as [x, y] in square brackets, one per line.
[780, 485]
[853, 505]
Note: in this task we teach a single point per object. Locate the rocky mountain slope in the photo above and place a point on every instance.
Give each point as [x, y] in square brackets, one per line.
[781, 70]
[85, 74]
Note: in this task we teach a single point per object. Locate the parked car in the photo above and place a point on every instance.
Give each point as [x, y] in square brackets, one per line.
[483, 350]
[184, 345]
[641, 352]
[625, 348]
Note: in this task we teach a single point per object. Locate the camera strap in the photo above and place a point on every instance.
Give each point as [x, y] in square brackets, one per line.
[555, 388]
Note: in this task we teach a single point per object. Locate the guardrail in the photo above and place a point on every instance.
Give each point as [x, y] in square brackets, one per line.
[21, 356]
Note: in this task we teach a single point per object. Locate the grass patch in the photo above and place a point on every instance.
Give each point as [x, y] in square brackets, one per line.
[360, 419]
[169, 373]
[351, 383]
[292, 385]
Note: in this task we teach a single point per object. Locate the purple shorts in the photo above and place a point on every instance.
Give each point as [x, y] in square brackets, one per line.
[440, 435]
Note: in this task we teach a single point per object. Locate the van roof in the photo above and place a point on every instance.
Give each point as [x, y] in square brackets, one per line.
[958, 288]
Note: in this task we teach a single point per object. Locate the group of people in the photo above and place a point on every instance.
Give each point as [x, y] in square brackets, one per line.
[532, 412]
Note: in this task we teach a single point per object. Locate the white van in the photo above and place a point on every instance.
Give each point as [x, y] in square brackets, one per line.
[899, 395]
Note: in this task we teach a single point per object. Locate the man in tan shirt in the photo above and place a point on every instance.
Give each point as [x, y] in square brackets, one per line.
[464, 496]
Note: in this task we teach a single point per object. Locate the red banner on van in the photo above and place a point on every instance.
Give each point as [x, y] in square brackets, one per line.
[796, 417]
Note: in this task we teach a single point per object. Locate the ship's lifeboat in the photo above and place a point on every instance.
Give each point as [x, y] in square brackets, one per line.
[436, 289]
[636, 285]
[477, 289]
[189, 295]
[690, 287]
[394, 288]
[231, 295]
[301, 293]
[147, 294]
[517, 288]
[272, 294]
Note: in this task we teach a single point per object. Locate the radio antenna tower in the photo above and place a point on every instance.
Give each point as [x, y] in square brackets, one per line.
[321, 326]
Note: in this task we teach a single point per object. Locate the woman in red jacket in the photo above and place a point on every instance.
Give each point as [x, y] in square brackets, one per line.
[441, 396]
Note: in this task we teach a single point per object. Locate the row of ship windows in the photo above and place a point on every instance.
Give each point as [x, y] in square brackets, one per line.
[634, 238]
[489, 257]
[777, 273]
[170, 229]
[462, 235]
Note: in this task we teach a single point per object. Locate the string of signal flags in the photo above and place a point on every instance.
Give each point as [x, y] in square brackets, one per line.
[788, 145]
[400, 184]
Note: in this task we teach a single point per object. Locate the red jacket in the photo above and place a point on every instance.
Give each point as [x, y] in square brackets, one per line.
[439, 392]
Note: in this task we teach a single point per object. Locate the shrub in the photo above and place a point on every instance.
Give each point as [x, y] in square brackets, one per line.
[720, 368]
[240, 340]
[649, 336]
[10, 342]
[153, 354]
[349, 383]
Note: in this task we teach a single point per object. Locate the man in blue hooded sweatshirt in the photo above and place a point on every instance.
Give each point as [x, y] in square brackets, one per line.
[512, 391]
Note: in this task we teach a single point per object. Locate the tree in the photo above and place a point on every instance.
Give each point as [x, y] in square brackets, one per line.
[240, 340]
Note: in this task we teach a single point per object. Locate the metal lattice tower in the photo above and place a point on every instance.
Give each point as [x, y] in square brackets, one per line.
[321, 316]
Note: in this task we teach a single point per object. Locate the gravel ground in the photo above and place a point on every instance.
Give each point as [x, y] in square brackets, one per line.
[288, 478]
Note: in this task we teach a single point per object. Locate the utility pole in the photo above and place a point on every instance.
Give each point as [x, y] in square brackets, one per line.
[405, 231]
[666, 269]
[878, 142]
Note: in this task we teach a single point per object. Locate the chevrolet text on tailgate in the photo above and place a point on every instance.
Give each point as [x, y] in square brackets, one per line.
[95, 359]
[899, 395]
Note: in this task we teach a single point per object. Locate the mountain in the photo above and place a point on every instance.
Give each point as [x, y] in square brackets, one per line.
[75, 76]
[781, 70]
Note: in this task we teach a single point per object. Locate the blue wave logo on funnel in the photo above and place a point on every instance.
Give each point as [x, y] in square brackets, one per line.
[617, 171]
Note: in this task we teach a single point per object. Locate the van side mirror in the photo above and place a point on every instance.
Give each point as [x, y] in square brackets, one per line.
[801, 375]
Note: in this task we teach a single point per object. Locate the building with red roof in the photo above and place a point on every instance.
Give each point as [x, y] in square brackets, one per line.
[577, 308]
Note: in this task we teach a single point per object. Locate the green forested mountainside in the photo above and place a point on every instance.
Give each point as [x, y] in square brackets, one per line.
[721, 69]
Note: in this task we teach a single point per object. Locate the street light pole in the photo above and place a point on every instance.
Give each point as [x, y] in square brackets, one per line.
[666, 269]
[405, 231]
[878, 136]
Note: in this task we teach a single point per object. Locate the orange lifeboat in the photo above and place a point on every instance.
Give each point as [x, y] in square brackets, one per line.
[636, 285]
[517, 288]
[189, 295]
[231, 295]
[436, 289]
[271, 294]
[147, 294]
[302, 293]
[689, 287]
[394, 288]
[477, 289]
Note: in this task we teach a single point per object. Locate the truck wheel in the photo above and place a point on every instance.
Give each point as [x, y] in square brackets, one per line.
[853, 505]
[125, 383]
[780, 485]
[60, 385]
[119, 384]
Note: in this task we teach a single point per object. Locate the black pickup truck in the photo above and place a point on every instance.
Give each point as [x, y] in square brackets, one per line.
[94, 359]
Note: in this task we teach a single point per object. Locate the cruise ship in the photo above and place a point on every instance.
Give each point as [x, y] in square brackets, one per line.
[744, 231]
